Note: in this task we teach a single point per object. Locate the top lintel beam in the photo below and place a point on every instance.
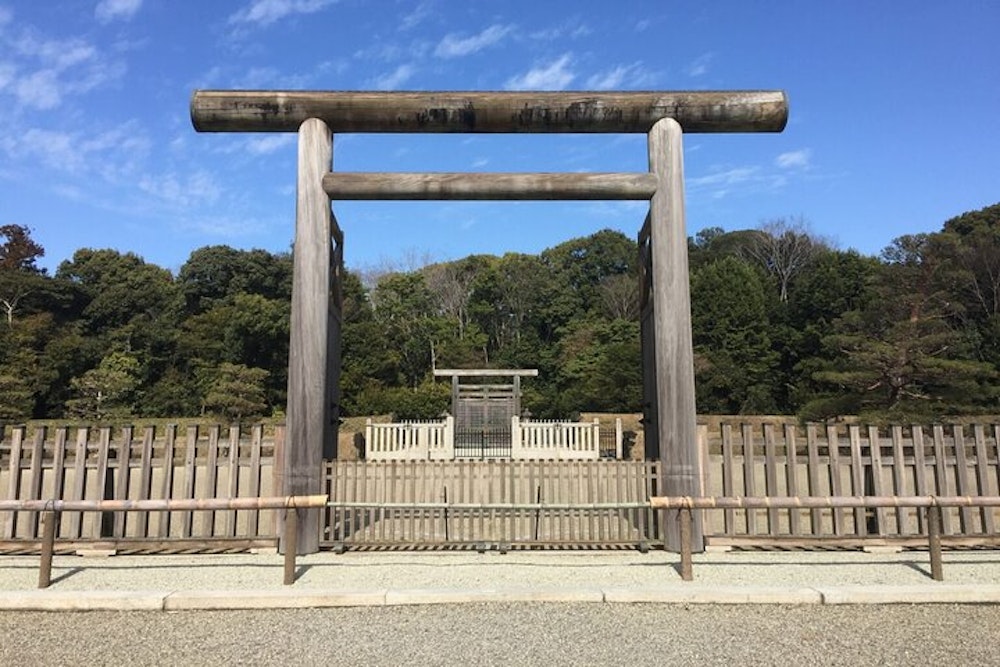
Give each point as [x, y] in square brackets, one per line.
[489, 112]
[485, 372]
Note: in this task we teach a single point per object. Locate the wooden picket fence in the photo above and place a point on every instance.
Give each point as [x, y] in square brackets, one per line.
[737, 460]
[139, 464]
[852, 460]
[463, 484]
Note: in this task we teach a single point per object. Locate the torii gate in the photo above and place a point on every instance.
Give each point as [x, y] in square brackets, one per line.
[314, 354]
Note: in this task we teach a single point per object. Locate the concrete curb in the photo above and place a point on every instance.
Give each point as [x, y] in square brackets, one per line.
[62, 601]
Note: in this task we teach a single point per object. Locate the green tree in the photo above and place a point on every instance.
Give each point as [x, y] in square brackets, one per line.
[19, 273]
[734, 363]
[106, 392]
[237, 392]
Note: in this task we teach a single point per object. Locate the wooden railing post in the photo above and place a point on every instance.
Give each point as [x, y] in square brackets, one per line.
[687, 569]
[291, 543]
[934, 541]
[49, 520]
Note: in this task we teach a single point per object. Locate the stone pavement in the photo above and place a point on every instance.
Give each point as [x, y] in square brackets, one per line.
[254, 581]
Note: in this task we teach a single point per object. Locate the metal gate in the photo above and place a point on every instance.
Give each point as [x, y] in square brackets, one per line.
[483, 409]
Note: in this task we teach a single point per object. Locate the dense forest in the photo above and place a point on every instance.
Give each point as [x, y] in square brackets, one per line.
[783, 323]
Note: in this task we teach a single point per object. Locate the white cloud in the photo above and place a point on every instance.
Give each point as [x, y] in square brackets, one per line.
[417, 16]
[40, 90]
[182, 192]
[628, 76]
[794, 159]
[453, 46]
[699, 66]
[110, 10]
[729, 177]
[5, 16]
[395, 78]
[554, 76]
[271, 143]
[266, 12]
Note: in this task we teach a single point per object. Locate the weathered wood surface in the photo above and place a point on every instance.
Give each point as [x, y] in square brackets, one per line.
[494, 186]
[354, 486]
[673, 352]
[897, 461]
[485, 372]
[508, 112]
[310, 428]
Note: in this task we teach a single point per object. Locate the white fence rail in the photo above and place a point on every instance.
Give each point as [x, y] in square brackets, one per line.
[531, 440]
[562, 441]
[410, 441]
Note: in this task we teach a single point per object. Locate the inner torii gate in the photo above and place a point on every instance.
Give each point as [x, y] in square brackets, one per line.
[314, 354]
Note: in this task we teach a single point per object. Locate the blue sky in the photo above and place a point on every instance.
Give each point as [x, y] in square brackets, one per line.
[894, 117]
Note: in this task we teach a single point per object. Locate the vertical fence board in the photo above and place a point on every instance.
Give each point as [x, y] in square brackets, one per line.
[14, 479]
[792, 477]
[190, 458]
[899, 477]
[234, 476]
[123, 454]
[812, 454]
[962, 476]
[983, 479]
[59, 472]
[145, 478]
[875, 468]
[101, 484]
[35, 478]
[836, 486]
[79, 480]
[211, 479]
[771, 475]
[167, 484]
[941, 475]
[857, 478]
[748, 477]
[920, 471]
[728, 468]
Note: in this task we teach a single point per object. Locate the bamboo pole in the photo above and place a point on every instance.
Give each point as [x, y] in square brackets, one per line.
[757, 502]
[273, 502]
[489, 112]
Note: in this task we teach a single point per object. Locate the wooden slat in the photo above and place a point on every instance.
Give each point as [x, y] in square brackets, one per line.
[792, 482]
[982, 477]
[857, 477]
[749, 483]
[234, 476]
[920, 472]
[122, 459]
[962, 477]
[836, 486]
[59, 470]
[812, 453]
[190, 458]
[145, 479]
[101, 485]
[875, 454]
[14, 478]
[899, 477]
[167, 485]
[941, 475]
[253, 490]
[728, 470]
[35, 473]
[211, 479]
[79, 480]
[771, 475]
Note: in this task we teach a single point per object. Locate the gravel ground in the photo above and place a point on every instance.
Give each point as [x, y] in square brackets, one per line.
[512, 634]
[414, 570]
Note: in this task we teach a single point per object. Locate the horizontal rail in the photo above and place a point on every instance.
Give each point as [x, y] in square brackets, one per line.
[273, 502]
[488, 112]
[495, 187]
[782, 502]
[932, 507]
[490, 506]
[51, 508]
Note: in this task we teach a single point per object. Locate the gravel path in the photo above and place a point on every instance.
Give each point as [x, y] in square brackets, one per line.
[414, 570]
[513, 634]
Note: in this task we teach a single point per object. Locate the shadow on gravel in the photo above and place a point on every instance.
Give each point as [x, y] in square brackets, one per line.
[66, 575]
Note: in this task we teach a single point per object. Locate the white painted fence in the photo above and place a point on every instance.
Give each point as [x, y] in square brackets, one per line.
[530, 440]
[410, 441]
[555, 440]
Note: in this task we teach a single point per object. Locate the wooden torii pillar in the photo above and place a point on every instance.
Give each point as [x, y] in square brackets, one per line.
[668, 368]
